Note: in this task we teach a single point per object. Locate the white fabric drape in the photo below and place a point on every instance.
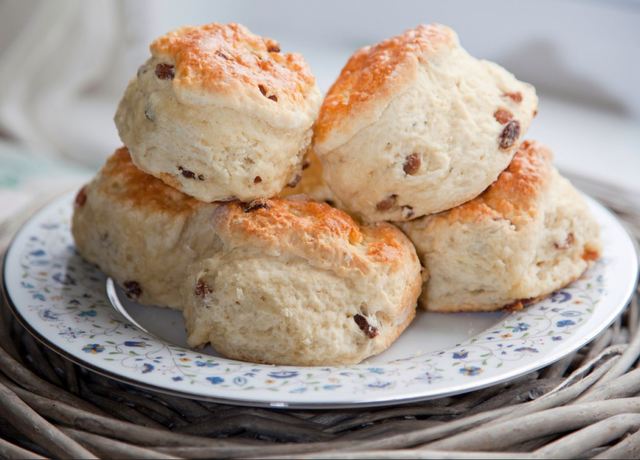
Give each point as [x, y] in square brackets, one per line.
[63, 66]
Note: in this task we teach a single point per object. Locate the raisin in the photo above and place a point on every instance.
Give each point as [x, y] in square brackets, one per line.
[186, 173]
[258, 203]
[412, 164]
[369, 330]
[273, 47]
[202, 288]
[388, 203]
[515, 96]
[132, 289]
[509, 134]
[257, 180]
[81, 197]
[502, 116]
[165, 71]
[222, 55]
[200, 176]
[264, 92]
[295, 181]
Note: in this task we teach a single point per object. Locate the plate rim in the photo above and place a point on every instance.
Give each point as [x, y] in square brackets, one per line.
[370, 400]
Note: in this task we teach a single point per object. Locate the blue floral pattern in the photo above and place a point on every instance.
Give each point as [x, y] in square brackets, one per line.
[62, 297]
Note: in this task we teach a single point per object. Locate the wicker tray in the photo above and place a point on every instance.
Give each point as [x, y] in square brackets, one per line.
[586, 405]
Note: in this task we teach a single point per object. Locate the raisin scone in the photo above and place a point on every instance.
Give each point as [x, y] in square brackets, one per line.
[282, 281]
[220, 113]
[139, 231]
[527, 235]
[299, 282]
[414, 125]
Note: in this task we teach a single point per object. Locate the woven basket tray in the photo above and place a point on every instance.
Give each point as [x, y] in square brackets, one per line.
[586, 405]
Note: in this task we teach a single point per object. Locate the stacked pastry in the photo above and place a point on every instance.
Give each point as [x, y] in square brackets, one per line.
[418, 132]
[204, 210]
[216, 123]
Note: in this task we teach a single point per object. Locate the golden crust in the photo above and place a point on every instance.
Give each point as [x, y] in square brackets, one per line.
[209, 57]
[315, 228]
[514, 194]
[300, 216]
[375, 72]
[131, 185]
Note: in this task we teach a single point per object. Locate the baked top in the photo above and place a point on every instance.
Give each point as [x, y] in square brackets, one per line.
[316, 231]
[121, 181]
[375, 73]
[226, 63]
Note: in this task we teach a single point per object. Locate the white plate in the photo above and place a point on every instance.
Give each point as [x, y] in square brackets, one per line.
[62, 300]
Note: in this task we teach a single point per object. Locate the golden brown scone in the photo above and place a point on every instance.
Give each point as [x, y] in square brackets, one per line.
[299, 282]
[220, 113]
[138, 231]
[283, 281]
[415, 125]
[527, 235]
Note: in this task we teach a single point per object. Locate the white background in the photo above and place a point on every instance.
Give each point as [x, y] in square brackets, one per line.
[583, 57]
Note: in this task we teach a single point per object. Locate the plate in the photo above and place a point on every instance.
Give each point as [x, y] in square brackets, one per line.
[64, 302]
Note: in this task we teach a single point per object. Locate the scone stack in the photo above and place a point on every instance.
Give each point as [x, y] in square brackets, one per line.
[418, 132]
[216, 123]
[224, 202]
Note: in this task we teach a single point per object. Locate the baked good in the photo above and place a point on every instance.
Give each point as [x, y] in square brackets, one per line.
[300, 283]
[135, 228]
[310, 182]
[282, 281]
[415, 125]
[527, 235]
[219, 113]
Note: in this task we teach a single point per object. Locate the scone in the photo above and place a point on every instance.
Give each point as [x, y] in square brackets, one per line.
[139, 231]
[301, 283]
[220, 113]
[282, 281]
[415, 125]
[529, 234]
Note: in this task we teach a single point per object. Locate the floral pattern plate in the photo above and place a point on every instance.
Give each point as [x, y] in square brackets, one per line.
[64, 302]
